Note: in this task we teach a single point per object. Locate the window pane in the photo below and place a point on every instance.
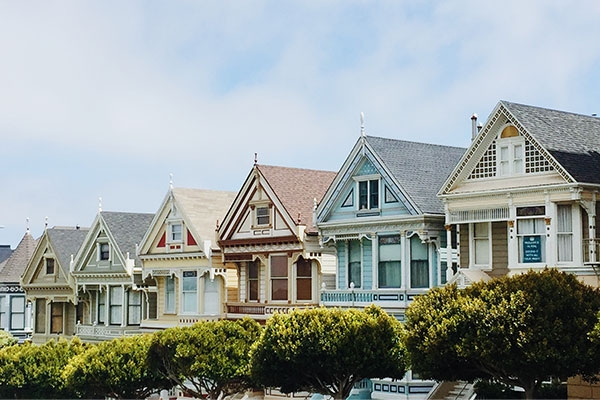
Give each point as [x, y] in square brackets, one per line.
[116, 295]
[190, 302]
[481, 230]
[190, 282]
[419, 274]
[115, 314]
[134, 314]
[564, 218]
[176, 232]
[504, 153]
[518, 151]
[374, 190]
[482, 252]
[354, 274]
[389, 274]
[532, 249]
[279, 289]
[253, 270]
[104, 251]
[518, 166]
[530, 211]
[40, 315]
[354, 251]
[18, 304]
[135, 298]
[49, 266]
[17, 321]
[262, 216]
[304, 289]
[279, 266]
[170, 295]
[418, 249]
[362, 195]
[253, 290]
[101, 313]
[565, 247]
[303, 268]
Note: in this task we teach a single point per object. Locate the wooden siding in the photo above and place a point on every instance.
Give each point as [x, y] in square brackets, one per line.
[464, 245]
[499, 249]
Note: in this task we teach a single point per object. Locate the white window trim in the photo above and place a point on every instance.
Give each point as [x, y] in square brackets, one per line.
[510, 142]
[483, 267]
[182, 305]
[409, 263]
[270, 278]
[347, 283]
[248, 282]
[375, 245]
[173, 310]
[367, 178]
[255, 212]
[170, 231]
[544, 234]
[295, 281]
[99, 252]
[46, 258]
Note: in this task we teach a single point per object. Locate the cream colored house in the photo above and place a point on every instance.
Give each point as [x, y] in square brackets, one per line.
[179, 252]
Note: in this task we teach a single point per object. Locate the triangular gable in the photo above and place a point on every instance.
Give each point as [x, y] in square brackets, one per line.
[155, 240]
[87, 257]
[479, 161]
[238, 222]
[466, 277]
[362, 160]
[34, 272]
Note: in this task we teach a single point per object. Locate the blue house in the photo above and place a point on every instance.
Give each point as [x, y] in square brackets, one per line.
[383, 217]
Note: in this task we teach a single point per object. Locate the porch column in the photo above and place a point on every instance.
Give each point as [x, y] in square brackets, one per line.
[449, 271]
[592, 225]
[64, 317]
[124, 306]
[48, 316]
[405, 260]
[107, 306]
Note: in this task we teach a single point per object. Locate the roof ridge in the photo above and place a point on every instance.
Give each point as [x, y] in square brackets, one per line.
[126, 212]
[415, 142]
[69, 228]
[551, 109]
[295, 168]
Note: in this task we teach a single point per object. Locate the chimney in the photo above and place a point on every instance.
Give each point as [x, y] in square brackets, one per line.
[473, 126]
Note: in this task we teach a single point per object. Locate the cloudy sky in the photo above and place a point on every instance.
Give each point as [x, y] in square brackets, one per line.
[107, 98]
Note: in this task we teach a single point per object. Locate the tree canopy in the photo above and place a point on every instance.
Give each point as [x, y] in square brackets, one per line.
[328, 350]
[212, 357]
[117, 369]
[518, 330]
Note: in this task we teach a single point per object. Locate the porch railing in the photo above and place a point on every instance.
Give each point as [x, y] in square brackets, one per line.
[358, 297]
[591, 250]
[255, 309]
[105, 332]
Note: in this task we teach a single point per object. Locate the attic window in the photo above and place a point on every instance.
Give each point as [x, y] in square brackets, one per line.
[262, 216]
[175, 234]
[104, 251]
[509, 131]
[49, 266]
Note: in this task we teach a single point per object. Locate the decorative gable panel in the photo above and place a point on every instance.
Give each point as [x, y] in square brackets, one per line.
[367, 169]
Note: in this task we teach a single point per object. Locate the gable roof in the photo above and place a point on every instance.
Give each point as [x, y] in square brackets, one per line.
[203, 208]
[5, 252]
[420, 168]
[296, 189]
[127, 229]
[13, 267]
[66, 241]
[572, 139]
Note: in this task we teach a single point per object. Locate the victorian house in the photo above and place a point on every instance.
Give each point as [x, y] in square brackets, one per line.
[111, 297]
[179, 252]
[49, 284]
[269, 236]
[382, 218]
[524, 195]
[15, 312]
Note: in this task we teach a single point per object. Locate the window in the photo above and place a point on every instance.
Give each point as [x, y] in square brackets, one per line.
[134, 307]
[17, 312]
[40, 316]
[169, 295]
[419, 263]
[190, 292]
[279, 275]
[49, 266]
[116, 305]
[390, 197]
[481, 244]
[390, 251]
[531, 234]
[3, 312]
[368, 194]
[511, 148]
[176, 230]
[349, 202]
[104, 251]
[253, 281]
[518, 158]
[56, 321]
[565, 233]
[354, 264]
[101, 307]
[304, 279]
[262, 216]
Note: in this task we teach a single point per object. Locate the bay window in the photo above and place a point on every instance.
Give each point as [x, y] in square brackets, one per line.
[354, 263]
[419, 263]
[531, 234]
[303, 279]
[565, 233]
[17, 312]
[279, 278]
[190, 292]
[116, 305]
[253, 268]
[169, 295]
[390, 252]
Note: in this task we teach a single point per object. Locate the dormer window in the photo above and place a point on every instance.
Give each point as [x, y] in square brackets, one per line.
[175, 232]
[49, 266]
[368, 194]
[510, 149]
[262, 216]
[104, 250]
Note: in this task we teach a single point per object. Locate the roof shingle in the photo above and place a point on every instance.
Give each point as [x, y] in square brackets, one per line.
[66, 241]
[14, 266]
[127, 229]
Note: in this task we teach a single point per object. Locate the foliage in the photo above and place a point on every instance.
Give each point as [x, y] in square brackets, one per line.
[31, 371]
[7, 339]
[517, 330]
[497, 390]
[328, 350]
[212, 356]
[116, 369]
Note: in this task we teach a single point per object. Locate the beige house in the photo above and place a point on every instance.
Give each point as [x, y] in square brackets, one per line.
[179, 252]
[49, 285]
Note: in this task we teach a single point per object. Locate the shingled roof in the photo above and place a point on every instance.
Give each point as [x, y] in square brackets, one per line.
[66, 241]
[5, 252]
[127, 229]
[297, 188]
[14, 266]
[572, 139]
[420, 168]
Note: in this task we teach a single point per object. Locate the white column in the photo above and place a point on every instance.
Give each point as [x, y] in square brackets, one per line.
[449, 271]
[577, 235]
[375, 261]
[405, 261]
[123, 307]
[513, 241]
[28, 314]
[592, 230]
[48, 316]
[107, 306]
[551, 233]
[64, 318]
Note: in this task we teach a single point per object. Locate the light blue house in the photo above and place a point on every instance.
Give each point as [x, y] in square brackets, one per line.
[383, 217]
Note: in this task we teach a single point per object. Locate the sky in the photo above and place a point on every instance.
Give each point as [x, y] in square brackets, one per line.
[107, 98]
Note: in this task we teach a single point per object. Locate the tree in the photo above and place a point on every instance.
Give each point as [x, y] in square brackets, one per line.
[517, 330]
[207, 358]
[328, 350]
[7, 339]
[34, 372]
[116, 369]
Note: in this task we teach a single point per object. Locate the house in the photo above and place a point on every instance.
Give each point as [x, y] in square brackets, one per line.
[179, 252]
[269, 236]
[111, 296]
[383, 219]
[525, 196]
[49, 285]
[15, 312]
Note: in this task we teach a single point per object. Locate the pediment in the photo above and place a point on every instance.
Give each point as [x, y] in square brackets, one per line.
[36, 271]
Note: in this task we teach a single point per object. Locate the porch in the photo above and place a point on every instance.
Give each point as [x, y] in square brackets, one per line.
[384, 298]
[260, 311]
[97, 333]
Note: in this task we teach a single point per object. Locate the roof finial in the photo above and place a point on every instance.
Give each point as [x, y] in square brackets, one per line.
[171, 181]
[255, 158]
[99, 204]
[46, 223]
[362, 124]
[27, 223]
[299, 218]
[314, 203]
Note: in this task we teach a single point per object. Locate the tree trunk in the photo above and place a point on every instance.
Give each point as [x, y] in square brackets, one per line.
[530, 391]
[339, 396]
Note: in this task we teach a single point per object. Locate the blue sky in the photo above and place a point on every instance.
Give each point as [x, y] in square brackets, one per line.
[107, 98]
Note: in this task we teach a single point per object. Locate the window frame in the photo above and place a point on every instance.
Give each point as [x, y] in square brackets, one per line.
[249, 279]
[13, 313]
[101, 307]
[100, 252]
[565, 233]
[46, 259]
[400, 259]
[348, 275]
[170, 232]
[510, 143]
[268, 215]
[309, 278]
[131, 305]
[472, 246]
[53, 316]
[184, 291]
[285, 278]
[170, 308]
[519, 236]
[113, 305]
[4, 307]
[410, 261]
[368, 179]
